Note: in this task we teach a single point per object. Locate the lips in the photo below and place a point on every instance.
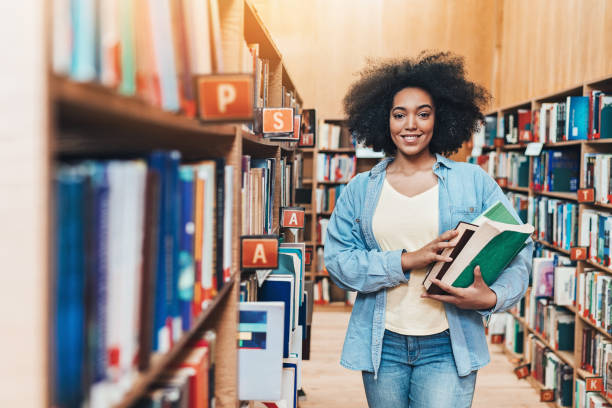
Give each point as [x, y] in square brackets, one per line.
[410, 138]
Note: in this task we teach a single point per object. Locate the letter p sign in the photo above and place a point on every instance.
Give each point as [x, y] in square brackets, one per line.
[225, 97]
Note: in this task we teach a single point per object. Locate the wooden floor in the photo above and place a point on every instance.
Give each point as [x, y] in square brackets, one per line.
[329, 385]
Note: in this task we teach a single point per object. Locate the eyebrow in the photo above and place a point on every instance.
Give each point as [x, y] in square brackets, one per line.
[419, 107]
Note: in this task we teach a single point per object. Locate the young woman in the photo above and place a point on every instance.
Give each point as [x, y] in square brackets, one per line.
[415, 350]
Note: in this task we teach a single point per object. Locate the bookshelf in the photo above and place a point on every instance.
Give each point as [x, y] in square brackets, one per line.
[312, 179]
[76, 120]
[581, 147]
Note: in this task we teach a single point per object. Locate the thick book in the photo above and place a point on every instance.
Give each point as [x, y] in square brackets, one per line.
[492, 244]
[260, 350]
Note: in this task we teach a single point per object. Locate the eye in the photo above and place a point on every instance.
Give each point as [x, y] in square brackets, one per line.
[424, 115]
[398, 116]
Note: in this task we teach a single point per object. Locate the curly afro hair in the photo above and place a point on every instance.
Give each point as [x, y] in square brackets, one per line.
[458, 102]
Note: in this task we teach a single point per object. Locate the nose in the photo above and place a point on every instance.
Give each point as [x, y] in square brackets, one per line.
[410, 122]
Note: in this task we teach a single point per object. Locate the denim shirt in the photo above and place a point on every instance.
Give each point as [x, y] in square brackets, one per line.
[355, 262]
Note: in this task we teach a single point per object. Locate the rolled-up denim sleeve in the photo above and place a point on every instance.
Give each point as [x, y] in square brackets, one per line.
[512, 283]
[350, 265]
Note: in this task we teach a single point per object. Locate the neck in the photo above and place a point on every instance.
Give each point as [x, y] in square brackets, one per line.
[423, 161]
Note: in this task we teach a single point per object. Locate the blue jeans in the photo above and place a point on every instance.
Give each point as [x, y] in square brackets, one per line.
[418, 372]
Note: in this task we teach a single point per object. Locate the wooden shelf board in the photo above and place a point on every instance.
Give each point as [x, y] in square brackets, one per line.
[325, 213]
[161, 363]
[338, 150]
[599, 206]
[575, 90]
[517, 189]
[599, 142]
[598, 266]
[513, 146]
[256, 32]
[92, 119]
[566, 356]
[593, 325]
[564, 143]
[553, 247]
[562, 195]
[307, 181]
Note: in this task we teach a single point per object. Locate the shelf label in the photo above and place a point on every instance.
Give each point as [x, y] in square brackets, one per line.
[578, 254]
[277, 121]
[225, 97]
[502, 182]
[594, 384]
[497, 339]
[525, 136]
[534, 149]
[308, 255]
[547, 395]
[259, 252]
[292, 217]
[586, 195]
[522, 371]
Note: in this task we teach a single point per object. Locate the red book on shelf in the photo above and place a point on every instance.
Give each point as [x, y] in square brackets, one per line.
[524, 125]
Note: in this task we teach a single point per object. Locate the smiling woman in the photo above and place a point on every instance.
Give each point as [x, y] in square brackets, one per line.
[405, 342]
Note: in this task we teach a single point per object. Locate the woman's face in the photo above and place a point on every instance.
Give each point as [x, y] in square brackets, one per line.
[411, 120]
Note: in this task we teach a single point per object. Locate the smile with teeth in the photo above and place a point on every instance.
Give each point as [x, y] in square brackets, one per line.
[410, 138]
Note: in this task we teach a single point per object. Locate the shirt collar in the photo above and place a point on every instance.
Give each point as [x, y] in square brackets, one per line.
[382, 165]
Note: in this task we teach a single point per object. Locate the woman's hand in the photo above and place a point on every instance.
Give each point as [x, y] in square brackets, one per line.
[478, 296]
[429, 253]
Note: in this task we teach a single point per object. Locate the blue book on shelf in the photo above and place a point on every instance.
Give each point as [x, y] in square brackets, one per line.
[98, 181]
[577, 118]
[279, 288]
[69, 323]
[186, 275]
[173, 218]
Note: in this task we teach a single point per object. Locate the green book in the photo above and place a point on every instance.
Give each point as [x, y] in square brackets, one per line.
[496, 238]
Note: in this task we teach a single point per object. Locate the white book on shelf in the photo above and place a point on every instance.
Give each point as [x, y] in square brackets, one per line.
[563, 277]
[197, 22]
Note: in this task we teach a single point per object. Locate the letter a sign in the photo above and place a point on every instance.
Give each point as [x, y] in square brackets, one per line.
[225, 97]
[259, 252]
[292, 217]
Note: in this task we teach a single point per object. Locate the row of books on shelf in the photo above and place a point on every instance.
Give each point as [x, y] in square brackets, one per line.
[331, 136]
[336, 167]
[598, 175]
[152, 50]
[596, 235]
[142, 248]
[588, 399]
[512, 166]
[274, 330]
[291, 178]
[555, 221]
[594, 298]
[550, 371]
[189, 383]
[321, 230]
[576, 118]
[556, 170]
[326, 197]
[259, 187]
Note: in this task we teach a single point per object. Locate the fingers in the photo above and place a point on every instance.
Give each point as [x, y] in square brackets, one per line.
[445, 287]
[444, 245]
[478, 279]
[441, 298]
[447, 235]
[442, 258]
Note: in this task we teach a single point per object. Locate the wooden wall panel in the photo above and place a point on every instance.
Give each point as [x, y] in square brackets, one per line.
[550, 46]
[324, 43]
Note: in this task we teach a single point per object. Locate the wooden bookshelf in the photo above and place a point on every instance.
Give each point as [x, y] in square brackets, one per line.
[88, 120]
[582, 146]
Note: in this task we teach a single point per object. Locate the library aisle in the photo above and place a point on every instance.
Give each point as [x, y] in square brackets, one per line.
[327, 384]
